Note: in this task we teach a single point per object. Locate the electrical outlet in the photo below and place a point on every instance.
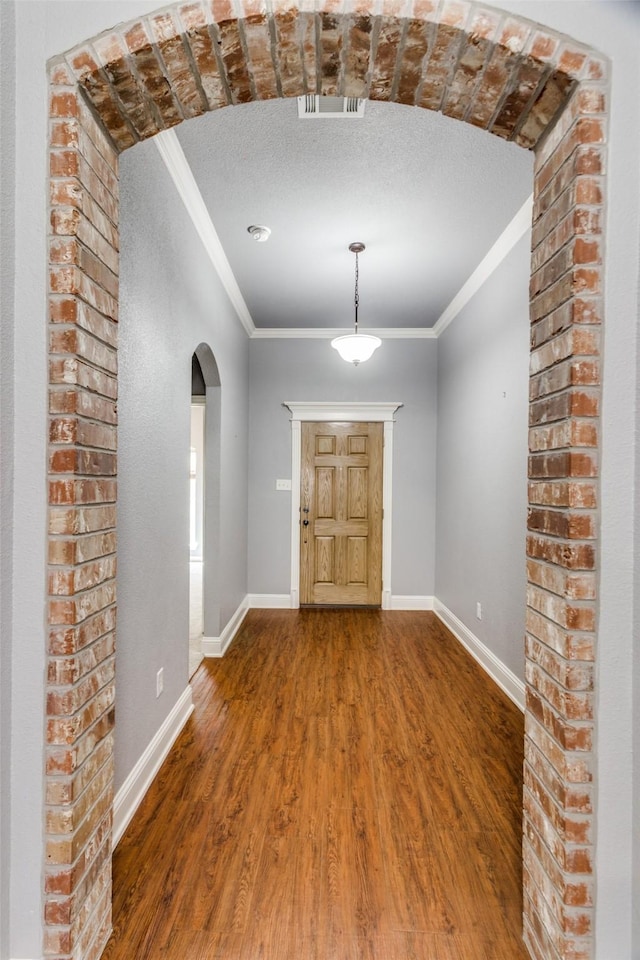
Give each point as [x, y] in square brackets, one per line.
[159, 681]
[283, 484]
[479, 610]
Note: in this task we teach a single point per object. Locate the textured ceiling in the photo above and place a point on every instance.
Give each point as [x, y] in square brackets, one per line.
[428, 196]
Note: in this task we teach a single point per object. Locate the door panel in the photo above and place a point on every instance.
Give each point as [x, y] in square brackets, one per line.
[341, 500]
[325, 492]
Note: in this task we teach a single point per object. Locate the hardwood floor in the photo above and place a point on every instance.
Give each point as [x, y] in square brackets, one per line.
[348, 788]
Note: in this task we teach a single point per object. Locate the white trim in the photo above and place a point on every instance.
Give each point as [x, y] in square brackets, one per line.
[176, 163]
[398, 602]
[503, 246]
[387, 510]
[499, 673]
[269, 601]
[217, 646]
[131, 793]
[324, 411]
[324, 333]
[282, 601]
[296, 458]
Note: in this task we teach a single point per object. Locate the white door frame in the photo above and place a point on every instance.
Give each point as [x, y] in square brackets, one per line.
[346, 411]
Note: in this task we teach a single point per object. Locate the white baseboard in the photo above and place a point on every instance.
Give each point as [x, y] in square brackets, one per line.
[130, 795]
[217, 646]
[283, 601]
[269, 601]
[499, 673]
[399, 602]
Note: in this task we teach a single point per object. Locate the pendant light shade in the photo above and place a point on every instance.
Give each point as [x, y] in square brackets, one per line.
[356, 347]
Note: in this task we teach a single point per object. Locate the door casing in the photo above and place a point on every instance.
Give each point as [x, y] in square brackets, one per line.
[349, 411]
[341, 516]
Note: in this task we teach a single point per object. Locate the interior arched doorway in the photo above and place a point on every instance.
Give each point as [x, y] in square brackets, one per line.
[212, 397]
[501, 73]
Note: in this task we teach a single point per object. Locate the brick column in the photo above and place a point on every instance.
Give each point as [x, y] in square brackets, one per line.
[83, 304]
[566, 312]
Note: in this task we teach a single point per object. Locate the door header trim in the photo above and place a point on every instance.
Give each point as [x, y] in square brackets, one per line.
[344, 410]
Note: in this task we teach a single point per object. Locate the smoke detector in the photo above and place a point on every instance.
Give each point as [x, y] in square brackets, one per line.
[328, 108]
[259, 232]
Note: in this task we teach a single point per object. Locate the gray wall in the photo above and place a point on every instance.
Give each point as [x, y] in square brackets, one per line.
[400, 370]
[483, 370]
[171, 301]
[7, 225]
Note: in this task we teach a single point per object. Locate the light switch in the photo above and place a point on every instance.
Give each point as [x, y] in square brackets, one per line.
[283, 484]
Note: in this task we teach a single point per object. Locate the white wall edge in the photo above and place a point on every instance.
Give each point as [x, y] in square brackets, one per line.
[131, 793]
[503, 246]
[269, 601]
[176, 163]
[217, 646]
[328, 333]
[499, 673]
[399, 602]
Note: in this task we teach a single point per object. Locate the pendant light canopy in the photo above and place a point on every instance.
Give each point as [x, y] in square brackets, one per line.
[356, 347]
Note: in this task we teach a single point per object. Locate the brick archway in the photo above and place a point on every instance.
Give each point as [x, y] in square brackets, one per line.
[496, 71]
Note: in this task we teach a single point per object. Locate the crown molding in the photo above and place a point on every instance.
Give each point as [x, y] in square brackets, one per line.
[178, 166]
[503, 246]
[322, 333]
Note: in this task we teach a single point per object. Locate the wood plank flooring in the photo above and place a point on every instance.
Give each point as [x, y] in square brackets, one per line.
[348, 788]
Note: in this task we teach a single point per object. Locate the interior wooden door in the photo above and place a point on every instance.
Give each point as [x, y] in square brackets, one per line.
[341, 513]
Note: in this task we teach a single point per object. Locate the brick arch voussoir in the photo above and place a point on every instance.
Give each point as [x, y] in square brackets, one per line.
[496, 71]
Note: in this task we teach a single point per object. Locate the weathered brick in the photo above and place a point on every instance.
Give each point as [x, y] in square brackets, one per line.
[564, 583]
[385, 60]
[79, 578]
[570, 555]
[203, 51]
[569, 644]
[67, 640]
[167, 33]
[572, 705]
[81, 519]
[417, 39]
[235, 66]
[558, 464]
[561, 523]
[70, 370]
[263, 76]
[563, 493]
[564, 433]
[441, 65]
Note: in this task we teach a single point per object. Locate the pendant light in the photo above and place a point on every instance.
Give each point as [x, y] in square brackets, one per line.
[356, 347]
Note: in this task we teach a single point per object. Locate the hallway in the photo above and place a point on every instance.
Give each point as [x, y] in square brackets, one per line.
[348, 787]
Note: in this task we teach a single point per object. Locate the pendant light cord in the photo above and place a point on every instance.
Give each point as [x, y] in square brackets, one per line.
[356, 298]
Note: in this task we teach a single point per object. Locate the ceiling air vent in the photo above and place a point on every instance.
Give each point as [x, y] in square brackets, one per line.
[330, 107]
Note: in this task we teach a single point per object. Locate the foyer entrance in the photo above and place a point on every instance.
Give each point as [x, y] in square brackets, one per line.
[341, 514]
